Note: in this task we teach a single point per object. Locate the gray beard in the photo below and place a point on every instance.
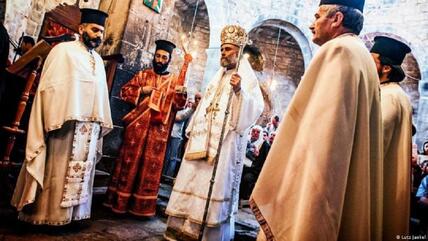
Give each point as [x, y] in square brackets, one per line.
[225, 63]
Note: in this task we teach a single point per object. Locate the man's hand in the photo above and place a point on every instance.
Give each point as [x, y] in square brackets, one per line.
[147, 90]
[235, 81]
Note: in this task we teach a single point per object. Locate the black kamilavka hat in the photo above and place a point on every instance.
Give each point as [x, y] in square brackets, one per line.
[90, 15]
[165, 45]
[390, 48]
[392, 51]
[358, 4]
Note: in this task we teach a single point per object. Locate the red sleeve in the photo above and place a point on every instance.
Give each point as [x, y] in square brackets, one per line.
[130, 92]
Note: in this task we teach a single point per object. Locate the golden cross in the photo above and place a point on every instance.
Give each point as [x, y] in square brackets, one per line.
[211, 108]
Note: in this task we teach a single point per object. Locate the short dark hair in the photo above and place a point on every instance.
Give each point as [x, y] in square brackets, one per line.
[353, 19]
[28, 40]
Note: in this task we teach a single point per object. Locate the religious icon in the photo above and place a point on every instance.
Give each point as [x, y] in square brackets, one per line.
[154, 4]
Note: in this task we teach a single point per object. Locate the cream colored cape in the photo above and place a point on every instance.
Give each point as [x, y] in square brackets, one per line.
[322, 179]
[69, 89]
[397, 134]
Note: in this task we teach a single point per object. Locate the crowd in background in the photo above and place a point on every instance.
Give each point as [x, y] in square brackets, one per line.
[419, 197]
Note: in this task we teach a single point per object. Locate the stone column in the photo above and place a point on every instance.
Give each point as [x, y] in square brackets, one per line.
[118, 11]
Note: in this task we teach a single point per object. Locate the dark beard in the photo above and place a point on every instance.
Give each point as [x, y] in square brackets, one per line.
[91, 43]
[159, 68]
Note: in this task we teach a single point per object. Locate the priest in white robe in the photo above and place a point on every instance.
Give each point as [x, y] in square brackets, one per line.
[388, 55]
[212, 120]
[322, 179]
[69, 116]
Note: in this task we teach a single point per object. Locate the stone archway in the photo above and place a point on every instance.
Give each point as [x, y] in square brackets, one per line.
[284, 63]
[300, 35]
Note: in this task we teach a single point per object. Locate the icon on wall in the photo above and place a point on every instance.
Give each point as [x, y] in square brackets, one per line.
[154, 4]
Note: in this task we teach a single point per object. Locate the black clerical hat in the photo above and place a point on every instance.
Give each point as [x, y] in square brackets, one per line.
[358, 4]
[390, 48]
[93, 16]
[165, 45]
[392, 52]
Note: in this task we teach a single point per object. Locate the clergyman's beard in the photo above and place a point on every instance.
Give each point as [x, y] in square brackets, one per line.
[91, 43]
[159, 68]
[226, 63]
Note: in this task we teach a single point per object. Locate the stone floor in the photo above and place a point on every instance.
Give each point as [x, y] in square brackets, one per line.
[105, 225]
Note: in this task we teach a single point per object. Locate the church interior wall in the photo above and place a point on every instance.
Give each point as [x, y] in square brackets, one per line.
[283, 65]
[26, 16]
[136, 27]
[407, 19]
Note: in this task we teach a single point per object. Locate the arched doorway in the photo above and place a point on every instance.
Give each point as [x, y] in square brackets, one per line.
[283, 68]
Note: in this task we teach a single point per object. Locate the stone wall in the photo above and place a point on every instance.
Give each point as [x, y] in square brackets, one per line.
[118, 11]
[199, 40]
[17, 12]
[286, 54]
[26, 16]
[40, 7]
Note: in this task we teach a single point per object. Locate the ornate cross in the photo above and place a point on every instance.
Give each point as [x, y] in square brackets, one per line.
[213, 109]
[77, 167]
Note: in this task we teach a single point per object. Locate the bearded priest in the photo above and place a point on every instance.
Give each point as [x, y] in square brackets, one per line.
[69, 116]
[156, 94]
[211, 169]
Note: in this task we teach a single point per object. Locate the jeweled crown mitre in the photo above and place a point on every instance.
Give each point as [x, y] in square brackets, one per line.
[233, 34]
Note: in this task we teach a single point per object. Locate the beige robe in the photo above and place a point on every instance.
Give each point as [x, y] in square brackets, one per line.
[397, 134]
[72, 88]
[322, 179]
